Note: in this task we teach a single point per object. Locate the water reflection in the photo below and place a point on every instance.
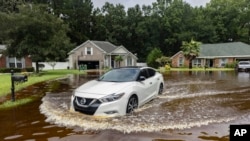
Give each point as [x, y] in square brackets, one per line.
[196, 99]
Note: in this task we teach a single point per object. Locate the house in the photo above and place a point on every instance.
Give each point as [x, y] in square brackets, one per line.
[215, 55]
[13, 62]
[100, 54]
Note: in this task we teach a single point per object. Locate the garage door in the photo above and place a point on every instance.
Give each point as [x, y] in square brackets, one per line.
[90, 64]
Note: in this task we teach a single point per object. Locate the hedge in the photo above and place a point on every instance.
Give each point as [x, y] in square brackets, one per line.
[8, 70]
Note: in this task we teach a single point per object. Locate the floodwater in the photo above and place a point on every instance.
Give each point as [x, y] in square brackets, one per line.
[196, 106]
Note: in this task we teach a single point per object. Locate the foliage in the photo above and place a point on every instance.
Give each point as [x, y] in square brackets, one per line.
[167, 67]
[152, 56]
[48, 38]
[8, 70]
[191, 50]
[163, 60]
[119, 59]
[231, 65]
[163, 24]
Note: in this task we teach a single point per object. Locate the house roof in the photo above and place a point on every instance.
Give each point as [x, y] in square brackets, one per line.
[234, 49]
[105, 46]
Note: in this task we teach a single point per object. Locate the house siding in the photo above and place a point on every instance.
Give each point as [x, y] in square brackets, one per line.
[102, 54]
[28, 62]
[2, 62]
[175, 60]
[80, 55]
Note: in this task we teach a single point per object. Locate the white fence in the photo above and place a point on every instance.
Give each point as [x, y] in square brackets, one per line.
[47, 66]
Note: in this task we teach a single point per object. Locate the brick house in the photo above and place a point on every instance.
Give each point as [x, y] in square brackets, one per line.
[215, 55]
[100, 54]
[13, 62]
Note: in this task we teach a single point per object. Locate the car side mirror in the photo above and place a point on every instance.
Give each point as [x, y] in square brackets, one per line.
[142, 78]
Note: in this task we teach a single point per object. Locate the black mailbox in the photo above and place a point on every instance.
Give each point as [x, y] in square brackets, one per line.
[19, 78]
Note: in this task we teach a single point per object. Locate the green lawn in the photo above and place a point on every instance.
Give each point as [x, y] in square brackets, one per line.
[202, 69]
[5, 80]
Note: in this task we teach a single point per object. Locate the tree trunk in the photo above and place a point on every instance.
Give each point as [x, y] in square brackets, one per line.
[190, 64]
[37, 67]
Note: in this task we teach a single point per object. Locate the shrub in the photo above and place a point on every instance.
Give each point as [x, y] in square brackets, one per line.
[152, 56]
[231, 65]
[167, 67]
[16, 70]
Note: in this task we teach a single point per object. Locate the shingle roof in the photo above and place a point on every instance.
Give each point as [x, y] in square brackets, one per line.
[104, 45]
[224, 50]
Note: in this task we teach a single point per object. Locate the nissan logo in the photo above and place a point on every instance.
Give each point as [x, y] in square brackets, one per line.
[83, 101]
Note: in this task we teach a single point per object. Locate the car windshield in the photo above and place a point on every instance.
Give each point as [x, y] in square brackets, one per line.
[244, 63]
[120, 75]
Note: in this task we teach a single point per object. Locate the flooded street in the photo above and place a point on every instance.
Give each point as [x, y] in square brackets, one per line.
[195, 106]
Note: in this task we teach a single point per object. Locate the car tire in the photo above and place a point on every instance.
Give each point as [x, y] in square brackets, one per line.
[160, 91]
[132, 104]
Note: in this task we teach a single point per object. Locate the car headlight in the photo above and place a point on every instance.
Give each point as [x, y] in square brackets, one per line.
[112, 97]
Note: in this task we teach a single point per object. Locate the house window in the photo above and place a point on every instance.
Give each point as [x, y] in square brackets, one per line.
[196, 62]
[223, 62]
[88, 51]
[181, 60]
[129, 61]
[15, 62]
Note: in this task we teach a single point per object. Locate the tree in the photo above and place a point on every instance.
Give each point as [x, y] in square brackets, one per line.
[119, 59]
[40, 35]
[190, 50]
[163, 60]
[152, 56]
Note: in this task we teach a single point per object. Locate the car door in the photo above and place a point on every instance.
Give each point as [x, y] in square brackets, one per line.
[143, 87]
[154, 82]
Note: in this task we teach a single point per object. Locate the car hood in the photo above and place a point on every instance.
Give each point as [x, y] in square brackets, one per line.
[98, 89]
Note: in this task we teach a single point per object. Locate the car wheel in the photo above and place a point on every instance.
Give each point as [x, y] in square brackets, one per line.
[160, 89]
[132, 104]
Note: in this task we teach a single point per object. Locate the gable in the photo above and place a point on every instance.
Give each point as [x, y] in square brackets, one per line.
[120, 51]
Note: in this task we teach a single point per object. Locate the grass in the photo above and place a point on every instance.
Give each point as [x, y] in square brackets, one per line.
[10, 104]
[5, 79]
[202, 69]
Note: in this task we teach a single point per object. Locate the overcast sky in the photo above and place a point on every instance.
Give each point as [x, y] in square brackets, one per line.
[132, 3]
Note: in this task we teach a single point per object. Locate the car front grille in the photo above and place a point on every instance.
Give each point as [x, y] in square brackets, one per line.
[86, 105]
[84, 102]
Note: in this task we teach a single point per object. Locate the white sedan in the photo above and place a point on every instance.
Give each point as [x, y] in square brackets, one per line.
[118, 92]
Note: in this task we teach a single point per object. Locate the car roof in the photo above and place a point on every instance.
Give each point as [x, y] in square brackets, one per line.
[135, 67]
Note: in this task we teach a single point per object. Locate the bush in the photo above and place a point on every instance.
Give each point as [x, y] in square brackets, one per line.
[16, 70]
[167, 67]
[231, 65]
[152, 56]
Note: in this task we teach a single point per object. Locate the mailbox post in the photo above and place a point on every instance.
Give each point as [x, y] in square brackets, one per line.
[16, 78]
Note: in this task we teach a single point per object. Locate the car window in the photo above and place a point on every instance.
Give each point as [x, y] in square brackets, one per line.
[144, 73]
[120, 75]
[151, 72]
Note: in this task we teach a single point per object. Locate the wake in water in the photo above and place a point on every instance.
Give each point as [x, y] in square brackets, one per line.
[182, 105]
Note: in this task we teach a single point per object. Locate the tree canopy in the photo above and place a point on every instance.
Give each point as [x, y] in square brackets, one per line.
[164, 24]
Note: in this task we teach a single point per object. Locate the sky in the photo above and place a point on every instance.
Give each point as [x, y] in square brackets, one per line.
[132, 3]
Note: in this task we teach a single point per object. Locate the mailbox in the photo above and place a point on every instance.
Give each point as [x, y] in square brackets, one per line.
[19, 78]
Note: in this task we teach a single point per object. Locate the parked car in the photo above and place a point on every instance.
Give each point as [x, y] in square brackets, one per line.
[243, 66]
[118, 92]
